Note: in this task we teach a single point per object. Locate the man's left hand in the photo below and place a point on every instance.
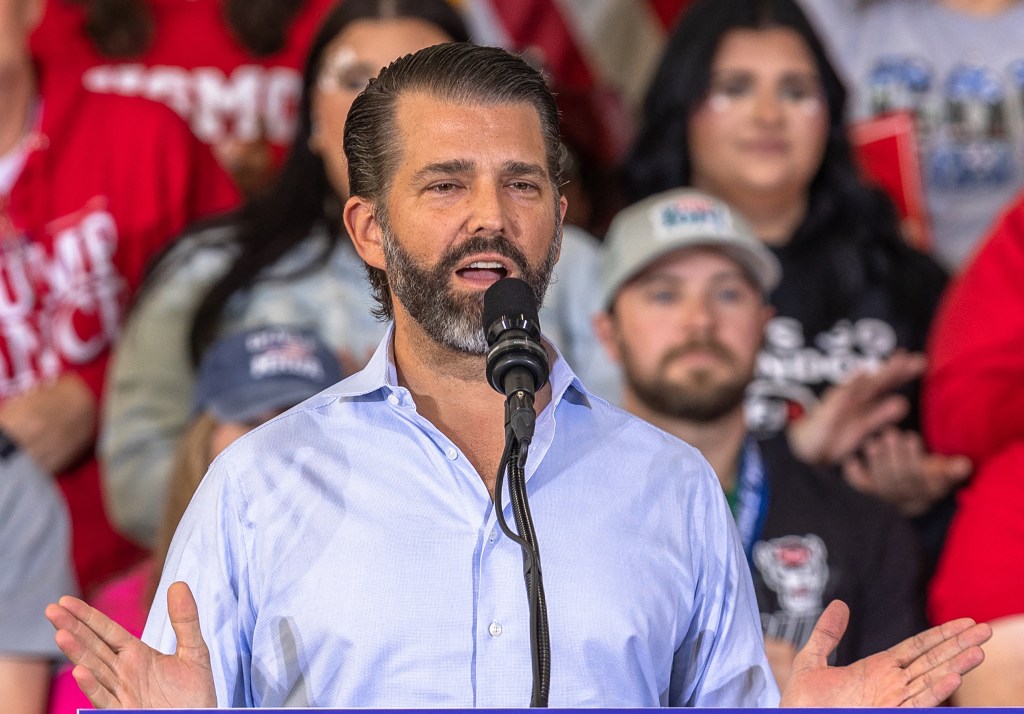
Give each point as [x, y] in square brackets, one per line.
[919, 672]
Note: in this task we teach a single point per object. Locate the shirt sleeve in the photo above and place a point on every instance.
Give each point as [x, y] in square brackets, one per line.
[722, 661]
[211, 553]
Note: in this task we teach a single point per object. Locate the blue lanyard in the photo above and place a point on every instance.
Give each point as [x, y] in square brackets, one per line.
[751, 503]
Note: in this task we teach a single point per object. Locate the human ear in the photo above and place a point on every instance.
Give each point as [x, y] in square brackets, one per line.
[607, 331]
[365, 231]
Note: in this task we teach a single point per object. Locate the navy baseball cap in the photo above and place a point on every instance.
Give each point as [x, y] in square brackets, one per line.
[245, 375]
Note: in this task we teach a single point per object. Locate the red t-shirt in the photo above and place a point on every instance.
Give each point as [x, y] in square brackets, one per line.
[194, 65]
[108, 181]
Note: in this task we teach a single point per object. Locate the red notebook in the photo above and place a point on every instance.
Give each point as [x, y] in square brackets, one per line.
[885, 147]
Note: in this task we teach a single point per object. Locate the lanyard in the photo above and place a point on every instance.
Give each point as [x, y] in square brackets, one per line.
[749, 500]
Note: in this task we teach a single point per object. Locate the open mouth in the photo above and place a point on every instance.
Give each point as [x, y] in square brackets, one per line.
[483, 271]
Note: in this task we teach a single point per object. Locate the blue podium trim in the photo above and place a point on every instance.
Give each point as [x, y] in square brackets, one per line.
[511, 710]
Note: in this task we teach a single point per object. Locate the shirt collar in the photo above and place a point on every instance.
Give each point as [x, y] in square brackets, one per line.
[380, 374]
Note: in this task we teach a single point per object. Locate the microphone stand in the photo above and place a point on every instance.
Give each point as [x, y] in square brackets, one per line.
[520, 417]
[517, 366]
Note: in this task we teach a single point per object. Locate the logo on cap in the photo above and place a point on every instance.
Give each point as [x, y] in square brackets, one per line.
[689, 214]
[282, 353]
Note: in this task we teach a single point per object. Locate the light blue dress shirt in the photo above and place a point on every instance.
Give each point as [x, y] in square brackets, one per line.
[346, 554]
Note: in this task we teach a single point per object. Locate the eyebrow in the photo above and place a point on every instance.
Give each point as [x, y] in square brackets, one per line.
[438, 168]
[522, 168]
[464, 166]
[811, 75]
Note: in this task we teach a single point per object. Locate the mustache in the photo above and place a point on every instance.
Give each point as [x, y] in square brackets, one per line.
[496, 243]
[701, 345]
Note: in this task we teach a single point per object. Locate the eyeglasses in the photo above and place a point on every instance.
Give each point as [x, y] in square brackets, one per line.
[344, 72]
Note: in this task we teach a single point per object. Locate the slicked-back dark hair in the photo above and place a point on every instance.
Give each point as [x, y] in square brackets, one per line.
[844, 214]
[460, 73]
[271, 224]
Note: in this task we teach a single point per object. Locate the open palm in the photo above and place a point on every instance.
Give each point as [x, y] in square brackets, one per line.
[921, 671]
[116, 670]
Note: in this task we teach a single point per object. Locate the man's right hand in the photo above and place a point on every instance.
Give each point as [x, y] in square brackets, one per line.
[116, 670]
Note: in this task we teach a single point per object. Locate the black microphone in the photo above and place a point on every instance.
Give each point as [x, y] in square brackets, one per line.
[517, 363]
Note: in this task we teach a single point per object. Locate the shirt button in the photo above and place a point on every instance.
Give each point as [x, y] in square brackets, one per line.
[451, 453]
[494, 629]
[393, 398]
[493, 535]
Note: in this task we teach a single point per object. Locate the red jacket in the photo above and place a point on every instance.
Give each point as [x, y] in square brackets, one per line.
[108, 181]
[973, 401]
[979, 574]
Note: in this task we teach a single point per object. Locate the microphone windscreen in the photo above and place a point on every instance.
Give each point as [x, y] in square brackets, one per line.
[509, 297]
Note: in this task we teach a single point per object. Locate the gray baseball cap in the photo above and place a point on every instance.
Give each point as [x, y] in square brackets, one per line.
[643, 233]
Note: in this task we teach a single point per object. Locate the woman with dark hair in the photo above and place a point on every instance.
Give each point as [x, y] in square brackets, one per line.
[746, 105]
[281, 259]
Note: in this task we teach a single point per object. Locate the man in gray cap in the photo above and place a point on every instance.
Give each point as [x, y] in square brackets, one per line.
[684, 293]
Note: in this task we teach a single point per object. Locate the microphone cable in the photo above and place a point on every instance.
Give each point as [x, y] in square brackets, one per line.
[540, 638]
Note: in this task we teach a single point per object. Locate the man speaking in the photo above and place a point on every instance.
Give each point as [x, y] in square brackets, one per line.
[347, 554]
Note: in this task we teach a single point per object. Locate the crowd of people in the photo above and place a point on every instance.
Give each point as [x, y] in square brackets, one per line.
[215, 211]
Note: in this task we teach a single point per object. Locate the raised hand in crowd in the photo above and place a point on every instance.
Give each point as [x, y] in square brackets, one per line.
[854, 426]
[895, 467]
[54, 423]
[850, 412]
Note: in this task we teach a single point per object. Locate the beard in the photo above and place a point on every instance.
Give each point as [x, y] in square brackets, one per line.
[452, 319]
[701, 396]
